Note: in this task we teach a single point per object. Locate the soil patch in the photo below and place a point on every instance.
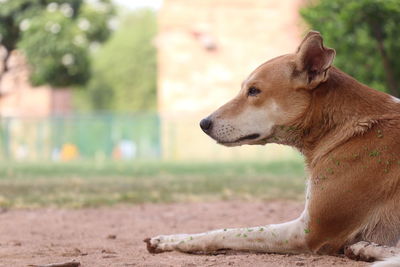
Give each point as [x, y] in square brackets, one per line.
[112, 236]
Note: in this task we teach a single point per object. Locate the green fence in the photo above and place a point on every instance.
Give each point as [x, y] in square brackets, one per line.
[81, 136]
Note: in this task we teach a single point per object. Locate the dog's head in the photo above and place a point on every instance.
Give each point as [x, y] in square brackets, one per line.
[276, 93]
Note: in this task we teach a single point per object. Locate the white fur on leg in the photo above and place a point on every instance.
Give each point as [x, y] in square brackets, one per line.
[280, 238]
[389, 262]
[287, 237]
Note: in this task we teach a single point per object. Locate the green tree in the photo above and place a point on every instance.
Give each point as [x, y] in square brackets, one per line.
[125, 67]
[55, 36]
[365, 35]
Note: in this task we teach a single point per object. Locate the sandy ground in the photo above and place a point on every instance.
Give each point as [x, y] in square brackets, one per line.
[112, 236]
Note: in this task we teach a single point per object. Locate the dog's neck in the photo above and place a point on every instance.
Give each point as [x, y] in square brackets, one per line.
[340, 108]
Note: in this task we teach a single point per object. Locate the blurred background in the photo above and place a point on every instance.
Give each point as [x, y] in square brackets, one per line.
[100, 100]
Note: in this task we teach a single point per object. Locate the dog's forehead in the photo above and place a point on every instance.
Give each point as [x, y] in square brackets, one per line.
[272, 68]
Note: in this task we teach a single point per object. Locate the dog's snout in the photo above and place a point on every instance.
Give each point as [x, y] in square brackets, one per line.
[206, 125]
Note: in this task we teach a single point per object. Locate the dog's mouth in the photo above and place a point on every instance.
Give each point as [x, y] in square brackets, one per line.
[248, 137]
[241, 139]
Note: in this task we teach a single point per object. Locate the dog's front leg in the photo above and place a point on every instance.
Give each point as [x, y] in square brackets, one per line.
[279, 238]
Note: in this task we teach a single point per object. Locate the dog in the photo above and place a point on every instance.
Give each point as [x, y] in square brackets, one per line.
[349, 135]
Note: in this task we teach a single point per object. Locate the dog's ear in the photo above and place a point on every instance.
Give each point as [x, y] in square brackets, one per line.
[313, 60]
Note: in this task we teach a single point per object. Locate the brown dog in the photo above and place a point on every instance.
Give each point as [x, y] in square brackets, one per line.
[349, 135]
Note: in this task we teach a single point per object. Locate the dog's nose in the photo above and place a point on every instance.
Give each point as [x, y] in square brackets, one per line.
[206, 124]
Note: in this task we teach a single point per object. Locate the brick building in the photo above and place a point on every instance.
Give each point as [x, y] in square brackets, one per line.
[18, 98]
[206, 48]
[25, 131]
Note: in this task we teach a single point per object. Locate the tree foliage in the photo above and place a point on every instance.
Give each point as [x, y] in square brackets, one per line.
[55, 36]
[365, 35]
[124, 69]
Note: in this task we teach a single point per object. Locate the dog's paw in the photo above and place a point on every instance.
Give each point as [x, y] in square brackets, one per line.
[164, 243]
[360, 251]
[153, 244]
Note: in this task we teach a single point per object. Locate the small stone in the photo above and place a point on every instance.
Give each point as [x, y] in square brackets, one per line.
[74, 253]
[108, 256]
[16, 243]
[108, 251]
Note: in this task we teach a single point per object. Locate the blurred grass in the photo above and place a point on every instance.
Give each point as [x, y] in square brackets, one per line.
[82, 184]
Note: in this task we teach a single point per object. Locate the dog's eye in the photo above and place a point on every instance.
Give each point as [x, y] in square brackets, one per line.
[253, 91]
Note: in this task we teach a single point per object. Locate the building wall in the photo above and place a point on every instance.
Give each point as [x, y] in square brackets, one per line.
[206, 48]
[25, 131]
[18, 98]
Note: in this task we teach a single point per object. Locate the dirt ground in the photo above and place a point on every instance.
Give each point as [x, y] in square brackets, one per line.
[112, 236]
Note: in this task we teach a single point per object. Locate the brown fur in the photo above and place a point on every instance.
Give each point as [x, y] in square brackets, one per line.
[349, 135]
